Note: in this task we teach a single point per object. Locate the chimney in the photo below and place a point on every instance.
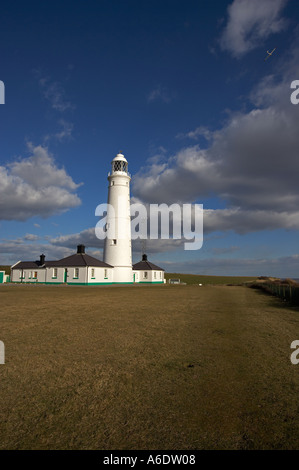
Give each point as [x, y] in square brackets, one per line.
[80, 249]
[42, 260]
[144, 257]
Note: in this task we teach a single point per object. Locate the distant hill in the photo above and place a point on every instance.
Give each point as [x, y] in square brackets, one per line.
[202, 279]
[5, 268]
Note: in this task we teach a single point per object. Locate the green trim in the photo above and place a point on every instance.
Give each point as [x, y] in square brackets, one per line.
[99, 283]
[54, 283]
[90, 283]
[150, 282]
[54, 277]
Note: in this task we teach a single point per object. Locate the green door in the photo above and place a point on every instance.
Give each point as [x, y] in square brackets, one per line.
[1, 278]
[65, 275]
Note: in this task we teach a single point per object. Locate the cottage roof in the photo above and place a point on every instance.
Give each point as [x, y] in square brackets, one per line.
[76, 260]
[145, 265]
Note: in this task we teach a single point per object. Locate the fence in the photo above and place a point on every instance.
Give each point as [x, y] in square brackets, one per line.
[284, 290]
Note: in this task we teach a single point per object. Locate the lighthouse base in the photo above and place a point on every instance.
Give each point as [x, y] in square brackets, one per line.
[122, 274]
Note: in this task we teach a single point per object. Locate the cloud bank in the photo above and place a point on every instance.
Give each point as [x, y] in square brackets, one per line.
[249, 23]
[251, 164]
[35, 186]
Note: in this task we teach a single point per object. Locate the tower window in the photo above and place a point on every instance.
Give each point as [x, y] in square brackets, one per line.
[120, 166]
[117, 166]
[113, 242]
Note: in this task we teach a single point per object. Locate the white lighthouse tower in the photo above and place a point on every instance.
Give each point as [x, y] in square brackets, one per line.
[118, 250]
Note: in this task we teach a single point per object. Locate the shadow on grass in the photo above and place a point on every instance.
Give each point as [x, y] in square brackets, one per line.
[275, 301]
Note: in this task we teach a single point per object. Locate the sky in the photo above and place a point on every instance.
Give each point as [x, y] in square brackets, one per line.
[183, 90]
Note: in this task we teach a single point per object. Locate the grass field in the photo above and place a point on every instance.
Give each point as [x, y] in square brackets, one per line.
[211, 280]
[154, 367]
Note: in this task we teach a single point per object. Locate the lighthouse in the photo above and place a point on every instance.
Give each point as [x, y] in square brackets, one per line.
[118, 249]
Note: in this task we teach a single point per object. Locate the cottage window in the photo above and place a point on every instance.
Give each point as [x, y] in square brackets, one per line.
[92, 273]
[54, 272]
[106, 273]
[145, 275]
[76, 273]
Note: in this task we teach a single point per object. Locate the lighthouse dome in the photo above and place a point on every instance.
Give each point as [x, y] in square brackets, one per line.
[120, 157]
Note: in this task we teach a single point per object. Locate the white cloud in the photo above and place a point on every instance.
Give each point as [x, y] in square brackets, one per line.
[251, 164]
[160, 94]
[88, 238]
[31, 237]
[55, 94]
[200, 131]
[66, 131]
[35, 186]
[249, 23]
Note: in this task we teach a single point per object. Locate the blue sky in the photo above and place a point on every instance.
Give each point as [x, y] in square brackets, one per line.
[183, 90]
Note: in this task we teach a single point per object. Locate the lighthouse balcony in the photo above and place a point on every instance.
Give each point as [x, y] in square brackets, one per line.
[119, 173]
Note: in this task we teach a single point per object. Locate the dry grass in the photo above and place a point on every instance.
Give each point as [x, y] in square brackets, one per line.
[209, 280]
[157, 367]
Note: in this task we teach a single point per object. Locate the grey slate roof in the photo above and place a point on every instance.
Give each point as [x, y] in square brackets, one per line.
[27, 265]
[145, 265]
[77, 260]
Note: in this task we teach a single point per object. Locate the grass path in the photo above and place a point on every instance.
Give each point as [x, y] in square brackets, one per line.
[160, 367]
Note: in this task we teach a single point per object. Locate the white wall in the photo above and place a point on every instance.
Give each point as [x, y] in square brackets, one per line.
[28, 275]
[47, 275]
[151, 276]
[101, 275]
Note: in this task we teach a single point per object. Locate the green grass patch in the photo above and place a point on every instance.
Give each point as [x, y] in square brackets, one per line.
[211, 280]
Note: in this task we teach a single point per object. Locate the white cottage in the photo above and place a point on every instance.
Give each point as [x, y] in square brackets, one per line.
[77, 269]
[147, 272]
